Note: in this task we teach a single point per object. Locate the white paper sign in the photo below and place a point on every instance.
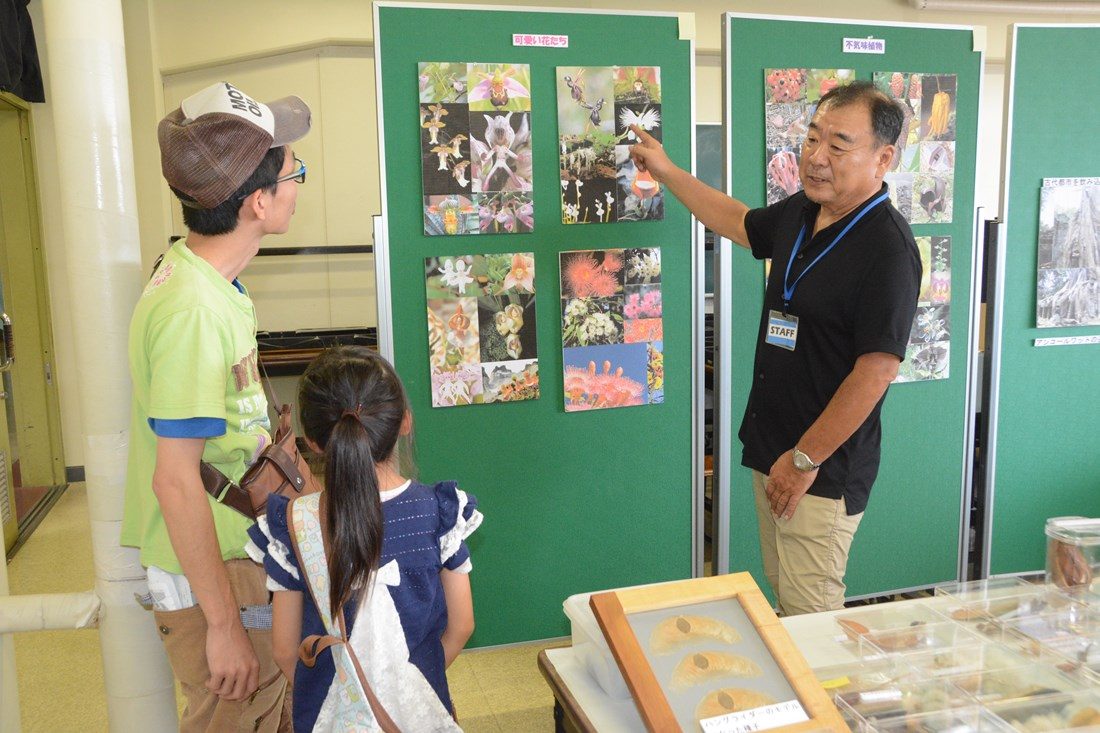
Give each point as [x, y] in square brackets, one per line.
[764, 718]
[1067, 340]
[864, 45]
[540, 39]
[1047, 182]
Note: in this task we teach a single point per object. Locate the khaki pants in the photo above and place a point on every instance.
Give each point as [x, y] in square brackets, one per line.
[805, 556]
[184, 635]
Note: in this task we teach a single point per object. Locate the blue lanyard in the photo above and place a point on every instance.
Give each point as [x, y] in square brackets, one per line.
[788, 290]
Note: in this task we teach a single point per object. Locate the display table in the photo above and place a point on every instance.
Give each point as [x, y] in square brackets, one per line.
[996, 655]
[581, 705]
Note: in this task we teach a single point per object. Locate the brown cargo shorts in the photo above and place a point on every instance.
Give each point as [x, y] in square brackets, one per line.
[184, 635]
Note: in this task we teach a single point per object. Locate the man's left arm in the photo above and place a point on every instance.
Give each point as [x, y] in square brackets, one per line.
[847, 410]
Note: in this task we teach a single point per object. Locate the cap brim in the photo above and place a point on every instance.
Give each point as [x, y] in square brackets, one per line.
[292, 120]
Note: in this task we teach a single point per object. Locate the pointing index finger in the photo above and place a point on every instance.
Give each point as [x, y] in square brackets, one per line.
[643, 136]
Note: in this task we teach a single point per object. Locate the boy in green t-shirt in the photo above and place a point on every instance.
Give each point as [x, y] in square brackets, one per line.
[197, 397]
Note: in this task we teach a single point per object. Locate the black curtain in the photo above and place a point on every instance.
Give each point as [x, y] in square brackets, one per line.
[20, 73]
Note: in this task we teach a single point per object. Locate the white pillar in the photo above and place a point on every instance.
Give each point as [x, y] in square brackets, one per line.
[89, 94]
[9, 692]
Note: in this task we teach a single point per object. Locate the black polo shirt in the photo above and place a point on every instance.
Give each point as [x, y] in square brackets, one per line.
[858, 299]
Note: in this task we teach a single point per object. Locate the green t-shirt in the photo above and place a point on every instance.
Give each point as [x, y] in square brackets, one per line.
[192, 355]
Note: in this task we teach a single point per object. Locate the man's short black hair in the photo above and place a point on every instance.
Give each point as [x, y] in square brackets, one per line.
[222, 219]
[886, 116]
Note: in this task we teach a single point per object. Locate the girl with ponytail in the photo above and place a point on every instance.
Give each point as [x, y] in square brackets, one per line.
[366, 631]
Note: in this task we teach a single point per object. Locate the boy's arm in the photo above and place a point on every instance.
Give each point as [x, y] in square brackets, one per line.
[234, 669]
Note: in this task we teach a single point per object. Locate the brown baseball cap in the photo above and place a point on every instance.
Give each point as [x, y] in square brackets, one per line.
[216, 139]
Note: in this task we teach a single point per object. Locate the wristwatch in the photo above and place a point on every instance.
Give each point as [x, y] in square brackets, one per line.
[803, 462]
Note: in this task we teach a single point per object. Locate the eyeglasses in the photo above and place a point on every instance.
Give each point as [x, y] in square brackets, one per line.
[298, 174]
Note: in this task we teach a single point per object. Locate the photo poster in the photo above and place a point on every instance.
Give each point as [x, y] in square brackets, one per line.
[482, 343]
[790, 98]
[475, 145]
[612, 328]
[1068, 283]
[596, 106]
[922, 176]
[928, 355]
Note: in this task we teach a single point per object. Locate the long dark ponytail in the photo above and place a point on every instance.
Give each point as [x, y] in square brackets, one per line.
[352, 405]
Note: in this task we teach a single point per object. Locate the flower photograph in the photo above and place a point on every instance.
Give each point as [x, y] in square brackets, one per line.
[601, 377]
[510, 381]
[499, 87]
[925, 362]
[475, 148]
[442, 81]
[597, 105]
[612, 316]
[453, 386]
[449, 277]
[642, 301]
[643, 266]
[589, 321]
[589, 273]
[481, 314]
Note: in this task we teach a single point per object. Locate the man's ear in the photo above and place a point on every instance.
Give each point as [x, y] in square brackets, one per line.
[885, 157]
[255, 205]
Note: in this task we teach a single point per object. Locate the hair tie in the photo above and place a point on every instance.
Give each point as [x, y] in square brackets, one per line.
[353, 413]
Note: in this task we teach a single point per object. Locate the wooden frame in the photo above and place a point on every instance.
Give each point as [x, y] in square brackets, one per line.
[612, 608]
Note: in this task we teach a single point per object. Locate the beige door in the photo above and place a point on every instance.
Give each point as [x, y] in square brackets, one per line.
[30, 437]
[7, 494]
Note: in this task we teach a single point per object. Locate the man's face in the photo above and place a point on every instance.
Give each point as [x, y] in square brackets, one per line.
[285, 197]
[842, 163]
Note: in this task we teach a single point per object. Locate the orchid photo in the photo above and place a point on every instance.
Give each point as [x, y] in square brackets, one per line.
[596, 107]
[475, 147]
[481, 318]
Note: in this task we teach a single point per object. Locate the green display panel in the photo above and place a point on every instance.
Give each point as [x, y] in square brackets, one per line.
[575, 501]
[1047, 451]
[909, 536]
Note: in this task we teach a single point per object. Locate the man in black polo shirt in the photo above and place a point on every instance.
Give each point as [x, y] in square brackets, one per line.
[837, 312]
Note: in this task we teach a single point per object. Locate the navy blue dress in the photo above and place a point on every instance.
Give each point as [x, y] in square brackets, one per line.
[424, 532]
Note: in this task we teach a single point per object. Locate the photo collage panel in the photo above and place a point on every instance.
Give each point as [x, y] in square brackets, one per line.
[596, 107]
[1068, 287]
[612, 328]
[481, 328]
[928, 355]
[922, 175]
[475, 148]
[790, 98]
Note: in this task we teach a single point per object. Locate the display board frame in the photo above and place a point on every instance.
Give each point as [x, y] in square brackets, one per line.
[739, 293]
[612, 609]
[550, 505]
[1033, 473]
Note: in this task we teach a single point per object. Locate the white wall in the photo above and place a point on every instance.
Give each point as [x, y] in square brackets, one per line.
[323, 51]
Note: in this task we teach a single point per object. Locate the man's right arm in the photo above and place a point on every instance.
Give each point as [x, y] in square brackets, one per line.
[234, 669]
[718, 212]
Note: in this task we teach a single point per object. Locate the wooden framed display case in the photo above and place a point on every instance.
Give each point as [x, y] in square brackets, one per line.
[704, 649]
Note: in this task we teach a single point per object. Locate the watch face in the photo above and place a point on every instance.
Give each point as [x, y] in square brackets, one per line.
[802, 462]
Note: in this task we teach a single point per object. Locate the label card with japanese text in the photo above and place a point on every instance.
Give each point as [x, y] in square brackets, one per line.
[541, 40]
[762, 718]
[864, 45]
